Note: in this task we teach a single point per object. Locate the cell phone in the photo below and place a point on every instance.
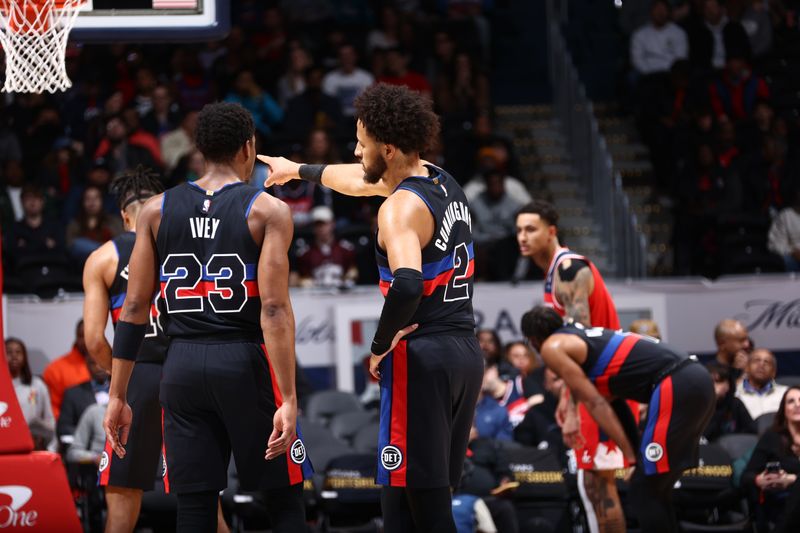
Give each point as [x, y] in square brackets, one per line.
[773, 467]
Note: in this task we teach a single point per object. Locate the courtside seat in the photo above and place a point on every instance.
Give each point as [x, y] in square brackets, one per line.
[322, 406]
[345, 426]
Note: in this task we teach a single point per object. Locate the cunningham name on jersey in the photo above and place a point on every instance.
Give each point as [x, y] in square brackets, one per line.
[456, 211]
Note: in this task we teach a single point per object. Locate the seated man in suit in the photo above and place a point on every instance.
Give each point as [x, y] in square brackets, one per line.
[81, 396]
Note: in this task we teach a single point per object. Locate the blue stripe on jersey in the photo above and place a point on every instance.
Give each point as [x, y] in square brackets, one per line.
[385, 428]
[606, 355]
[429, 270]
[650, 467]
[409, 189]
[250, 204]
[117, 300]
[249, 273]
[307, 466]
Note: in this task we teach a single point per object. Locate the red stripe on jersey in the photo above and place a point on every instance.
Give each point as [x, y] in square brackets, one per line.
[662, 425]
[294, 470]
[429, 286]
[109, 451]
[614, 366]
[115, 314]
[204, 288]
[164, 453]
[399, 422]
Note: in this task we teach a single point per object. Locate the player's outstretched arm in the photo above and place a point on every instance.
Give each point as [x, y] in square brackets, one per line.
[555, 353]
[277, 316]
[95, 303]
[133, 323]
[347, 179]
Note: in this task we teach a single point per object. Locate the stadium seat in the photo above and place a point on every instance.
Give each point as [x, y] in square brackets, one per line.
[366, 440]
[324, 405]
[349, 498]
[737, 444]
[705, 497]
[789, 381]
[764, 422]
[542, 499]
[345, 426]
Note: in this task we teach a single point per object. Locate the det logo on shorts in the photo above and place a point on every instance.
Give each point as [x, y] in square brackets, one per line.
[103, 461]
[298, 452]
[654, 452]
[391, 457]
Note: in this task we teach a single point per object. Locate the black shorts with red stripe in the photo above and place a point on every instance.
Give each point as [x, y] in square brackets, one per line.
[220, 398]
[140, 466]
[679, 410]
[429, 388]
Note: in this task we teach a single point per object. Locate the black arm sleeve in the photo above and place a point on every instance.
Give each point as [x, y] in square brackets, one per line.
[399, 307]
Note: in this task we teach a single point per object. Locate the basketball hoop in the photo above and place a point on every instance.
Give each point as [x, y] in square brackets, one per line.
[34, 36]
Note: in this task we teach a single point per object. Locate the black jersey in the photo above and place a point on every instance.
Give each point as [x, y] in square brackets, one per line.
[624, 365]
[208, 262]
[154, 347]
[447, 261]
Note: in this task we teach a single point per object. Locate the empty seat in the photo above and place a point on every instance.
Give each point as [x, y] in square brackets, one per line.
[764, 422]
[345, 426]
[789, 381]
[366, 440]
[737, 444]
[324, 405]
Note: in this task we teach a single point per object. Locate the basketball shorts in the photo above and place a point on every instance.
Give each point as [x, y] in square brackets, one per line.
[679, 410]
[599, 452]
[140, 466]
[429, 388]
[218, 399]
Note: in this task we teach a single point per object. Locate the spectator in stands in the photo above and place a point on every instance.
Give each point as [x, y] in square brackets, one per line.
[769, 177]
[490, 344]
[491, 419]
[471, 150]
[35, 236]
[509, 392]
[98, 175]
[730, 415]
[119, 152]
[92, 227]
[89, 438]
[66, 371]
[32, 395]
[757, 23]
[267, 114]
[139, 136]
[11, 193]
[769, 487]
[328, 262]
[645, 326]
[462, 92]
[293, 82]
[758, 390]
[387, 34]
[784, 234]
[659, 43]
[733, 346]
[539, 424]
[347, 81]
[494, 214]
[521, 357]
[313, 109]
[179, 142]
[471, 515]
[735, 91]
[189, 168]
[715, 36]
[398, 72]
[78, 397]
[145, 86]
[164, 115]
[320, 149]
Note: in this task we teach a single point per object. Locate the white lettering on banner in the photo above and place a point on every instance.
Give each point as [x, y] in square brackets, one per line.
[3, 408]
[11, 514]
[774, 313]
[5, 421]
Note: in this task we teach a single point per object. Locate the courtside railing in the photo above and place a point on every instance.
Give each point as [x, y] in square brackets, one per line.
[590, 154]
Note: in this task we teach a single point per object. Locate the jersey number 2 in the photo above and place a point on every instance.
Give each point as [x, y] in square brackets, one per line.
[222, 280]
[458, 286]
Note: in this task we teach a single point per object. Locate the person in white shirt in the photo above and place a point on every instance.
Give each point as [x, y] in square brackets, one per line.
[658, 44]
[32, 394]
[784, 235]
[758, 391]
[347, 81]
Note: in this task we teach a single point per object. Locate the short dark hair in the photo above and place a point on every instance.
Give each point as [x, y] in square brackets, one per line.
[31, 189]
[399, 116]
[718, 369]
[541, 322]
[222, 129]
[544, 209]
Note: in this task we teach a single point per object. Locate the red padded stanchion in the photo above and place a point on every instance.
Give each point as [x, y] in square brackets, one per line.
[34, 494]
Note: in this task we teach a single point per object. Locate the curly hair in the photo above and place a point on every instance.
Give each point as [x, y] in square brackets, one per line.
[136, 186]
[222, 129]
[399, 116]
[540, 322]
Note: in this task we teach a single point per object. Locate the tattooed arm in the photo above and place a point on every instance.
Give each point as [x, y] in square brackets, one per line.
[573, 285]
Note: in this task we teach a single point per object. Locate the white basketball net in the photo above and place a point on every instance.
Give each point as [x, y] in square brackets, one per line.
[34, 37]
